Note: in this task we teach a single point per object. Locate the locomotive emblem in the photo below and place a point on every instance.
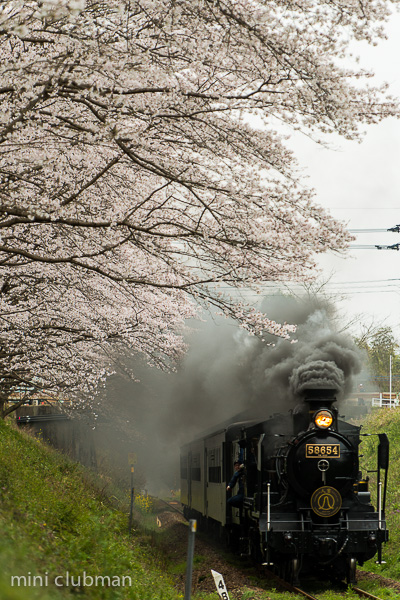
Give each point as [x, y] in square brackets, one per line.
[326, 501]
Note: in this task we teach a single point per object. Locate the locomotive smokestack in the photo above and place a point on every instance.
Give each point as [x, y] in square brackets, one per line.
[319, 395]
[315, 397]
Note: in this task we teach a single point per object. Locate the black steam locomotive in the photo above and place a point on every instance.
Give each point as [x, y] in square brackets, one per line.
[306, 507]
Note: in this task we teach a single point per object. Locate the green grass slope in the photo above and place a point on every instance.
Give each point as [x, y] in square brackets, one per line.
[385, 421]
[58, 533]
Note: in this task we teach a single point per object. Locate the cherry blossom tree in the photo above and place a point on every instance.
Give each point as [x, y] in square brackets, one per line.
[63, 337]
[142, 173]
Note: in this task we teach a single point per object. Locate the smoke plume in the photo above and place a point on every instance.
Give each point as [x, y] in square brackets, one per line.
[225, 372]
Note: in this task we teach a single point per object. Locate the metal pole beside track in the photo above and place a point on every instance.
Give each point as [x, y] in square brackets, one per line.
[132, 502]
[132, 461]
[190, 553]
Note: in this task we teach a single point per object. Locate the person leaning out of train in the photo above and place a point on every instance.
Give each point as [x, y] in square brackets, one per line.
[237, 478]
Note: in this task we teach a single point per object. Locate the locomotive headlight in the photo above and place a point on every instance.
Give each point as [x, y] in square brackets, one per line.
[323, 419]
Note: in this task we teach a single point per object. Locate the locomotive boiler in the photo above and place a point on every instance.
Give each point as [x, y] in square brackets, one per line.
[306, 507]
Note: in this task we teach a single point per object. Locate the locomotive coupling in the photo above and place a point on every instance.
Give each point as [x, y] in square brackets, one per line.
[327, 546]
[288, 538]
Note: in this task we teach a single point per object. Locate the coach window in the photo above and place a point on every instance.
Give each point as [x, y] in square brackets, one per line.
[196, 470]
[184, 467]
[214, 465]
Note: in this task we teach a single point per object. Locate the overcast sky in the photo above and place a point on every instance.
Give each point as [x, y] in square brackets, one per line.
[360, 184]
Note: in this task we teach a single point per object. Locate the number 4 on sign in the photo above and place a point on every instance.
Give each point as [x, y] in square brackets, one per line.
[220, 585]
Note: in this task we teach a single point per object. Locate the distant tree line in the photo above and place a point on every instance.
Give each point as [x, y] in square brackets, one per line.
[379, 346]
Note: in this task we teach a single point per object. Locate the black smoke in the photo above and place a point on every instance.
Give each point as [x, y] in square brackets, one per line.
[226, 371]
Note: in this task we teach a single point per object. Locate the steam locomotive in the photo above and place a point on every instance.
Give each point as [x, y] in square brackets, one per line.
[306, 506]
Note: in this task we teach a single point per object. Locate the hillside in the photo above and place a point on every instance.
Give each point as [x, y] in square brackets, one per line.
[385, 421]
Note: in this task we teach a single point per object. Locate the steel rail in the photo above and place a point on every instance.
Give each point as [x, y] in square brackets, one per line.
[364, 594]
[171, 505]
[303, 593]
[288, 586]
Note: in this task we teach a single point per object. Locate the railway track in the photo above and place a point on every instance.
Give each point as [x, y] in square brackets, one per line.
[174, 504]
[357, 590]
[296, 590]
[364, 594]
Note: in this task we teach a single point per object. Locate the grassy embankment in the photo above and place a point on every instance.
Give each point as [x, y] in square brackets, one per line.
[385, 421]
[55, 522]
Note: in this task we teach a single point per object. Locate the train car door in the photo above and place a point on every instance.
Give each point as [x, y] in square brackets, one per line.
[189, 479]
[214, 477]
[184, 476]
[197, 476]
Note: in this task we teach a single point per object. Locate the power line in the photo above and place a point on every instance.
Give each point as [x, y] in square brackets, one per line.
[345, 288]
[395, 229]
[375, 247]
[361, 208]
[391, 282]
[364, 281]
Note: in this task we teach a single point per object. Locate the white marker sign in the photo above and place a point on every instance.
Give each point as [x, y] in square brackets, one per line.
[220, 585]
